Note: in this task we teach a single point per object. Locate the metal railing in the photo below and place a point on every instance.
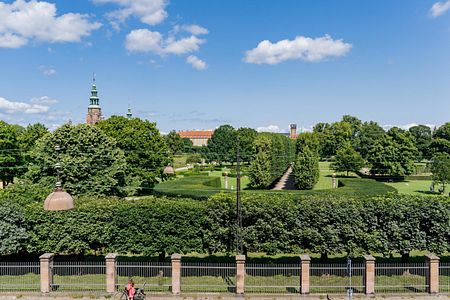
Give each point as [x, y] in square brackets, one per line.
[335, 279]
[78, 276]
[19, 276]
[208, 277]
[156, 276]
[401, 278]
[444, 277]
[272, 278]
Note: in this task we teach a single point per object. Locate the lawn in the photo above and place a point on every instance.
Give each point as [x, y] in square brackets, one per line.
[412, 187]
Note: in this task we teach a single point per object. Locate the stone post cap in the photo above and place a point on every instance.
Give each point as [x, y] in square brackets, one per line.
[369, 257]
[111, 256]
[175, 256]
[305, 257]
[432, 256]
[240, 257]
[47, 256]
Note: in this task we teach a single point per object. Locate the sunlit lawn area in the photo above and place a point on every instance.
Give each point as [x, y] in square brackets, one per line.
[412, 187]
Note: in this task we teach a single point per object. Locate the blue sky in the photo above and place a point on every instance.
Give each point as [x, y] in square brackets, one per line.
[198, 64]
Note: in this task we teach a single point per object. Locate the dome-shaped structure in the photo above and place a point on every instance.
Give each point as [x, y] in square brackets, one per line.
[169, 170]
[58, 200]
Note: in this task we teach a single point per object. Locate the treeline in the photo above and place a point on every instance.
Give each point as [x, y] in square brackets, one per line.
[272, 154]
[271, 223]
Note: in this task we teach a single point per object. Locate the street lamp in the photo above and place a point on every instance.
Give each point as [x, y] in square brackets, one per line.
[58, 199]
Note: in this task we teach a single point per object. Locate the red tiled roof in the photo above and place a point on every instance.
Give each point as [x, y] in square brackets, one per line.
[199, 134]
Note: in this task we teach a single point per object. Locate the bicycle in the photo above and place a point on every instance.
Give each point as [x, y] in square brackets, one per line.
[123, 295]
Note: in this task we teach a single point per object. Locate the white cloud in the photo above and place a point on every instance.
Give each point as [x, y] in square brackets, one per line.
[270, 128]
[150, 12]
[193, 29]
[13, 107]
[304, 48]
[144, 40]
[44, 100]
[22, 21]
[439, 8]
[47, 71]
[196, 62]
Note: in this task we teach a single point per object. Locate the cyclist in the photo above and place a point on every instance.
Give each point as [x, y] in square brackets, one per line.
[130, 289]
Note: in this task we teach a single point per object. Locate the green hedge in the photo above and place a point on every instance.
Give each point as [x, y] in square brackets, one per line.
[192, 186]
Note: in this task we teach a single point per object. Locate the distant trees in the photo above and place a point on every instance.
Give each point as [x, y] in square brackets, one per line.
[423, 138]
[174, 142]
[145, 150]
[306, 169]
[440, 168]
[10, 153]
[222, 145]
[347, 159]
[246, 136]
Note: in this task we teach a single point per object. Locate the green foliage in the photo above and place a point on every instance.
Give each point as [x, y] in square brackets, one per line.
[246, 136]
[12, 231]
[332, 136]
[308, 139]
[441, 169]
[91, 163]
[438, 145]
[368, 138]
[194, 159]
[174, 142]
[423, 136]
[393, 153]
[10, 156]
[347, 159]
[306, 169]
[222, 145]
[443, 132]
[272, 154]
[146, 152]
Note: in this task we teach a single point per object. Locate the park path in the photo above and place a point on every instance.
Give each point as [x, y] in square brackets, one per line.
[287, 181]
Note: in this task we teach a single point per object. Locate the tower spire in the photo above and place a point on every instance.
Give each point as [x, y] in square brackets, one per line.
[94, 114]
[129, 113]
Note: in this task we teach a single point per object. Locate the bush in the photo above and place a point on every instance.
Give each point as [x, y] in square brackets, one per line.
[306, 169]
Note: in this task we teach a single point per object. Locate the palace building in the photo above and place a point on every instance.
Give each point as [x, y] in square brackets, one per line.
[198, 137]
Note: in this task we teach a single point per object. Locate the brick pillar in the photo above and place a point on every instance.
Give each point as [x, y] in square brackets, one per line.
[240, 274]
[176, 274]
[305, 262]
[46, 262]
[111, 273]
[369, 274]
[433, 273]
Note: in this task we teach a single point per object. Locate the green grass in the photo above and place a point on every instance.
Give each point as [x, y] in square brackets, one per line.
[179, 160]
[412, 187]
[194, 186]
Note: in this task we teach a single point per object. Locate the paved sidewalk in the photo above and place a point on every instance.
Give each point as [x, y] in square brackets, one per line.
[287, 181]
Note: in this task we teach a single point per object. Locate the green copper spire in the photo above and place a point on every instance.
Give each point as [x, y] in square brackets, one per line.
[129, 114]
[94, 100]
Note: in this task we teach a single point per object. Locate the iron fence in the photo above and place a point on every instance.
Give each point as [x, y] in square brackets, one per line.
[19, 276]
[401, 278]
[208, 277]
[156, 276]
[335, 279]
[444, 277]
[77, 276]
[272, 278]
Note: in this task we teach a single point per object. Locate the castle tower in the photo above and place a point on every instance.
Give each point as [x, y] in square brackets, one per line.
[129, 114]
[94, 114]
[293, 131]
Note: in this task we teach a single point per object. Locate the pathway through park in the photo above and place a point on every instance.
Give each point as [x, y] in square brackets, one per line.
[286, 182]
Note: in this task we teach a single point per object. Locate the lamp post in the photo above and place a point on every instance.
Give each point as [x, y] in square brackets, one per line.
[58, 199]
[239, 248]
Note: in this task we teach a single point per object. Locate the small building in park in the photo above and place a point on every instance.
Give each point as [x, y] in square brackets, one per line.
[197, 137]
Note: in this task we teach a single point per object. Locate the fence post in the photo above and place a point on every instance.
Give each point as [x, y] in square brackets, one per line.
[305, 262]
[369, 274]
[240, 274]
[111, 272]
[46, 266]
[176, 274]
[433, 273]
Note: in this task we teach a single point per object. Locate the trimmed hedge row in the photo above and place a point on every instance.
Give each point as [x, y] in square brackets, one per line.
[271, 223]
[193, 186]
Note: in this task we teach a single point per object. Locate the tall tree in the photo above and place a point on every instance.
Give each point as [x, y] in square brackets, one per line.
[369, 136]
[355, 124]
[308, 139]
[423, 136]
[441, 169]
[260, 169]
[146, 152]
[10, 155]
[347, 159]
[306, 169]
[174, 142]
[222, 145]
[443, 132]
[246, 136]
[91, 162]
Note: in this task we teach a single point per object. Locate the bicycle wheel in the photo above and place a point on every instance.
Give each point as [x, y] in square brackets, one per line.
[120, 296]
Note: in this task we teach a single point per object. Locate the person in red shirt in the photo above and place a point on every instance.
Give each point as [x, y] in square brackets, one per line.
[130, 289]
